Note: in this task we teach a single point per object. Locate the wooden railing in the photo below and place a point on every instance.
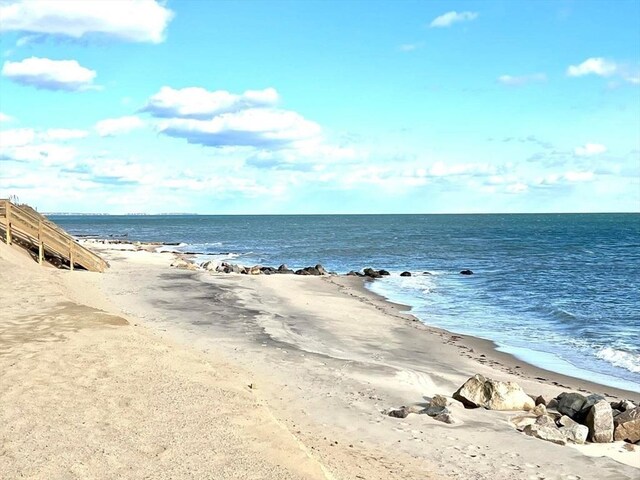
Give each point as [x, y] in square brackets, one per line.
[24, 223]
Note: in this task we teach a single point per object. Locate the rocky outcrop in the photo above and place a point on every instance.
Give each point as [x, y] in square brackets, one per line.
[479, 391]
[405, 274]
[599, 420]
[315, 271]
[627, 426]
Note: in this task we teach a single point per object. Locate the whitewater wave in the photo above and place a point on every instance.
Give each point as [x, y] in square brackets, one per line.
[619, 358]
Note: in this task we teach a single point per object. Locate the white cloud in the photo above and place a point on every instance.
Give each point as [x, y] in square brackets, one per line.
[16, 137]
[260, 128]
[449, 18]
[131, 20]
[116, 126]
[5, 118]
[589, 149]
[199, 103]
[595, 66]
[50, 74]
[56, 134]
[578, 176]
[517, 81]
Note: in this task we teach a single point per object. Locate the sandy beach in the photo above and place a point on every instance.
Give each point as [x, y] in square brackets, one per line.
[148, 371]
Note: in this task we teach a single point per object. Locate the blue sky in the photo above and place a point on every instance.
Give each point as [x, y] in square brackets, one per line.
[320, 106]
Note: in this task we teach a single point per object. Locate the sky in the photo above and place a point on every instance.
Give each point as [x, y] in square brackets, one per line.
[333, 106]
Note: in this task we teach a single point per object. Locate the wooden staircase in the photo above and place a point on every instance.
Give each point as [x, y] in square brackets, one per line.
[23, 225]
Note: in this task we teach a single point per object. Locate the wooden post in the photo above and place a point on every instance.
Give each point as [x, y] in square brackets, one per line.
[40, 243]
[8, 210]
[71, 255]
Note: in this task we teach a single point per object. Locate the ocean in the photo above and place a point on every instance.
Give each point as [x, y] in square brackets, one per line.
[560, 291]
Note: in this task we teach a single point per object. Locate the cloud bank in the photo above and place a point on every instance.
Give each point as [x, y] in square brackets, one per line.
[131, 20]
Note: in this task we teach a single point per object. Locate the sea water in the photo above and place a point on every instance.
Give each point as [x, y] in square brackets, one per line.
[560, 291]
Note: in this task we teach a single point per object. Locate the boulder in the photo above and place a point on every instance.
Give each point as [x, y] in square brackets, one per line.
[627, 426]
[570, 403]
[545, 420]
[321, 270]
[545, 432]
[302, 272]
[255, 270]
[466, 272]
[210, 266]
[589, 402]
[384, 273]
[283, 269]
[353, 273]
[553, 403]
[573, 431]
[600, 422]
[479, 391]
[405, 274]
[539, 410]
[623, 405]
[540, 400]
[371, 273]
[313, 271]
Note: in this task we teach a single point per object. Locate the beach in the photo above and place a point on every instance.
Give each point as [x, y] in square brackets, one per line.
[149, 371]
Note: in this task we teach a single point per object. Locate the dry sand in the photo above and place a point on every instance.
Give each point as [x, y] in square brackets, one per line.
[165, 395]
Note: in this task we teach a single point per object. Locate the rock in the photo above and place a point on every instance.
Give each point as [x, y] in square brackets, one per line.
[623, 405]
[179, 263]
[384, 273]
[210, 266]
[589, 402]
[268, 270]
[522, 421]
[627, 426]
[540, 400]
[572, 430]
[553, 403]
[570, 403]
[405, 274]
[255, 270]
[302, 272]
[539, 410]
[438, 401]
[445, 416]
[321, 270]
[402, 412]
[466, 272]
[371, 273]
[545, 420]
[615, 412]
[353, 273]
[493, 395]
[313, 271]
[544, 432]
[283, 268]
[600, 422]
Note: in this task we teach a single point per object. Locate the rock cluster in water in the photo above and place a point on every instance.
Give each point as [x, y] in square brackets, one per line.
[568, 418]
